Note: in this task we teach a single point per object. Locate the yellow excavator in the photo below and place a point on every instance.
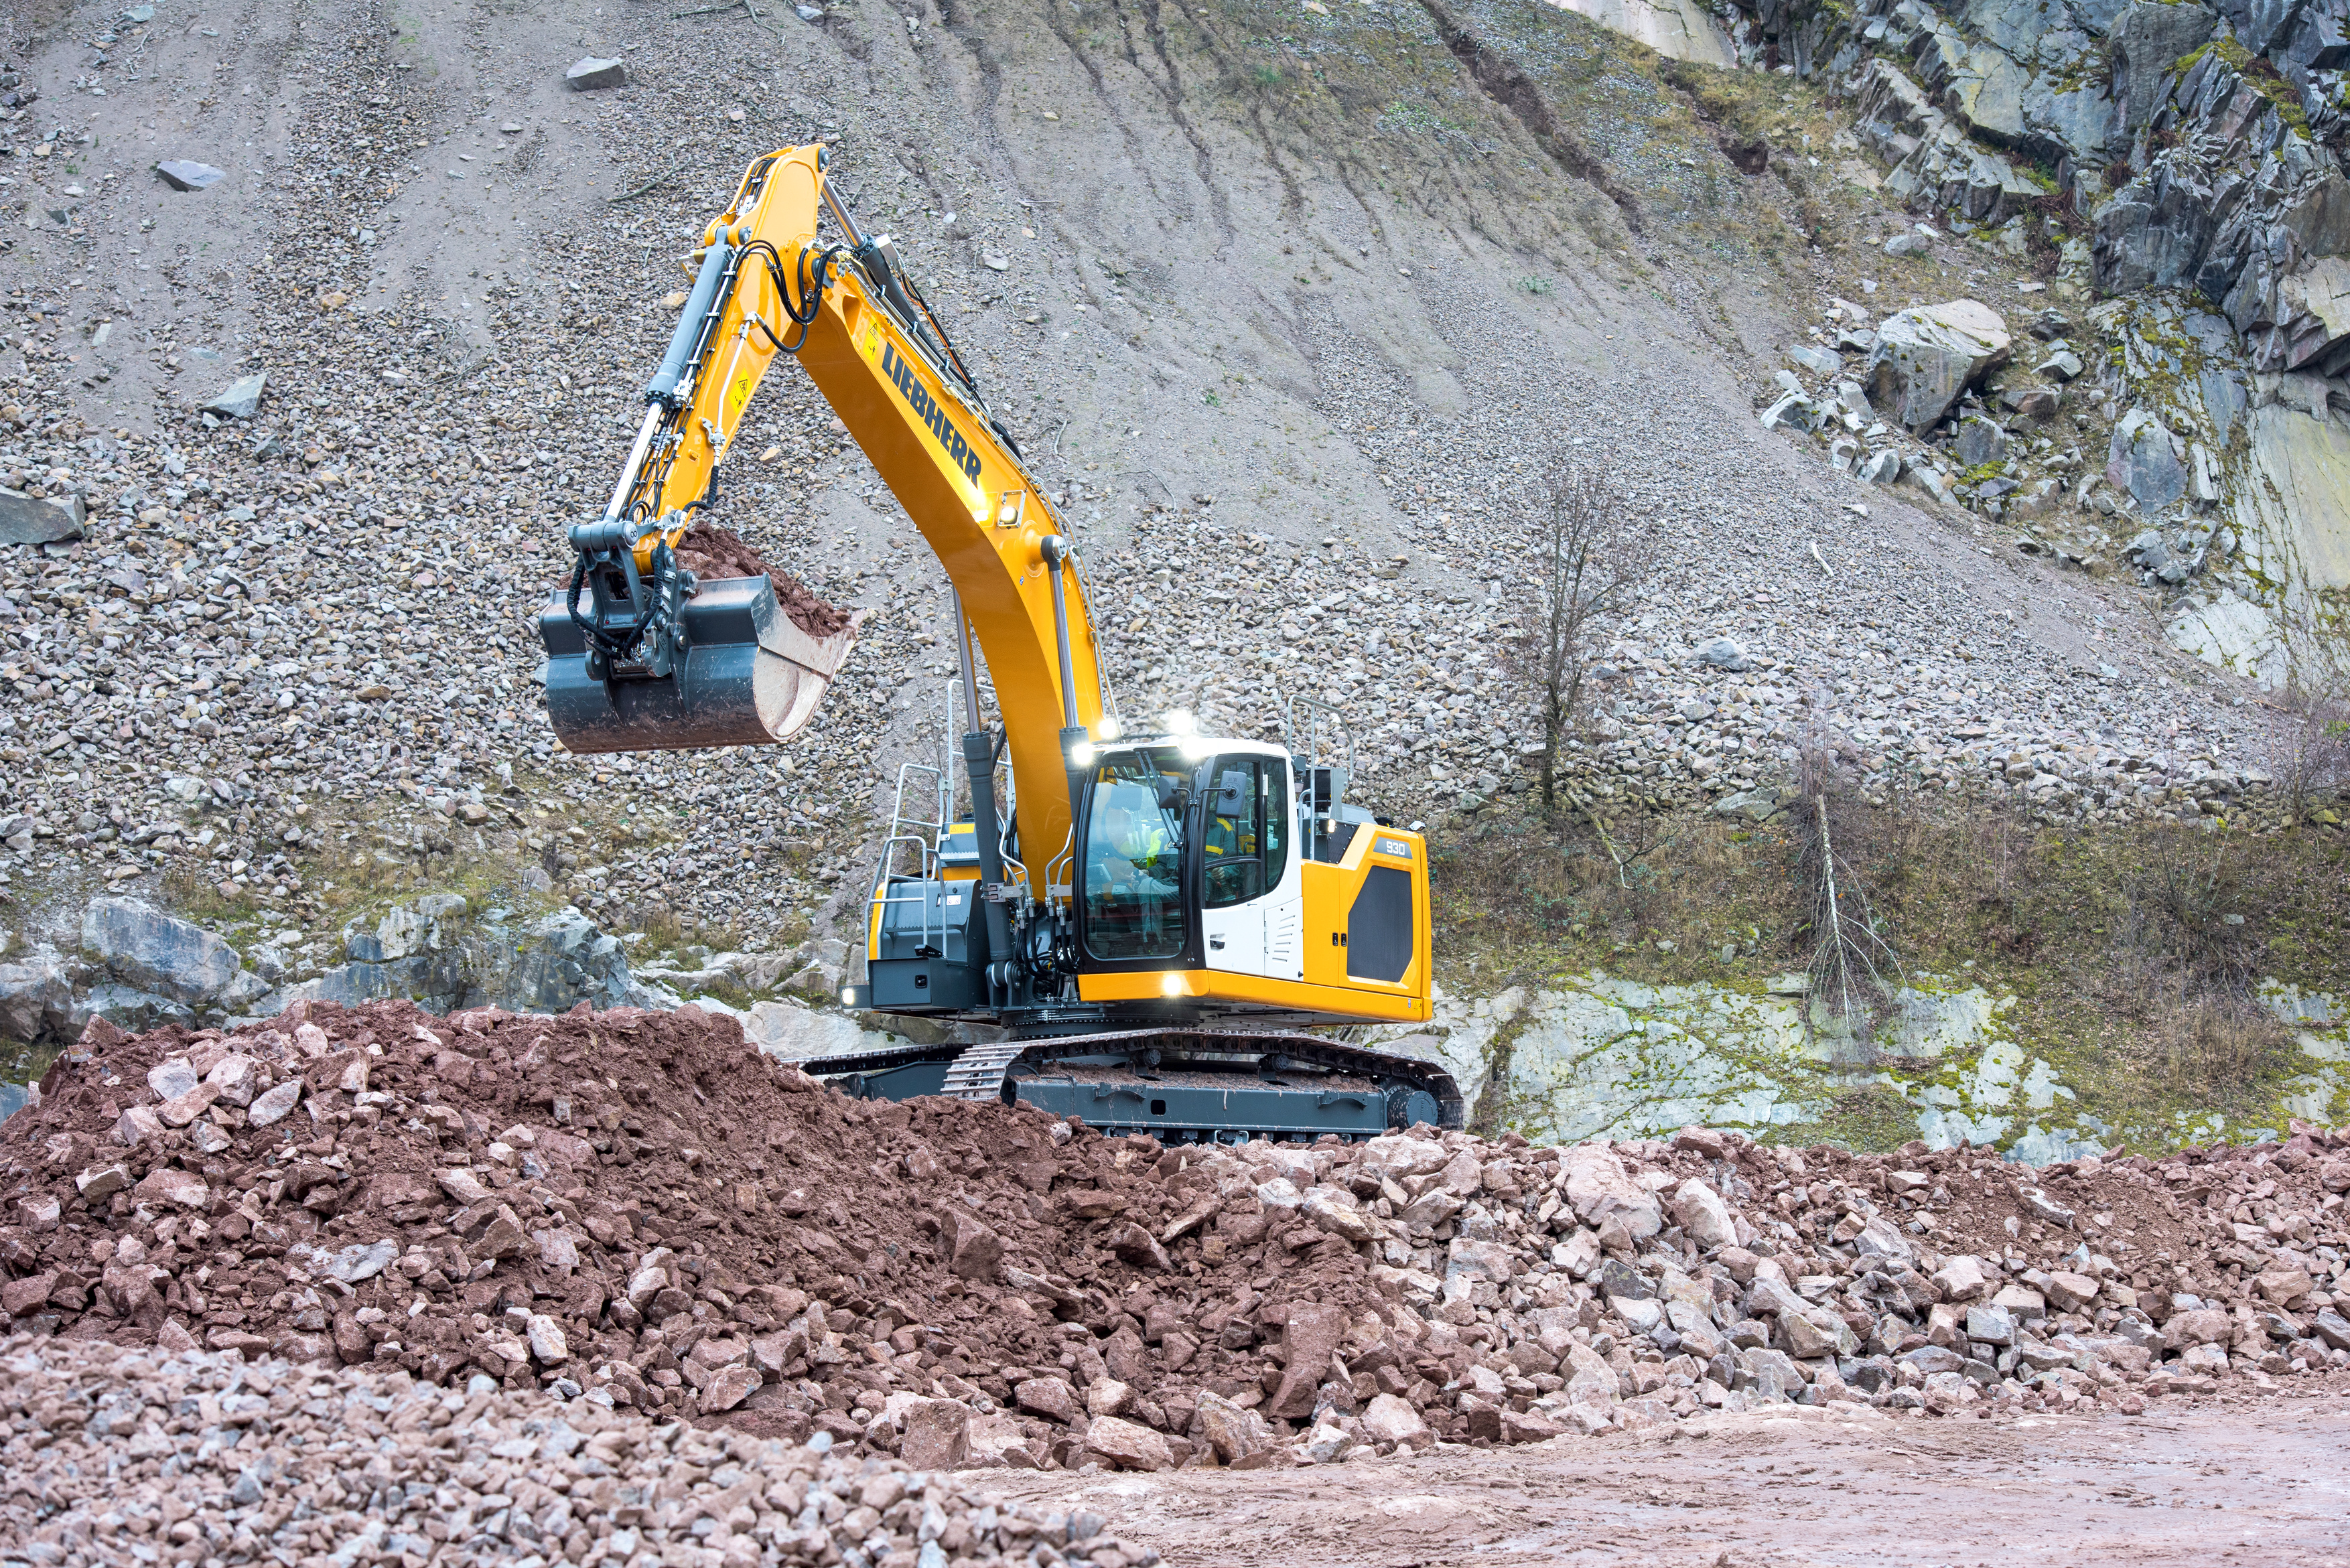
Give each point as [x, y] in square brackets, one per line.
[1138, 919]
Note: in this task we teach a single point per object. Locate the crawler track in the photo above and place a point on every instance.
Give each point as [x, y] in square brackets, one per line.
[1184, 1084]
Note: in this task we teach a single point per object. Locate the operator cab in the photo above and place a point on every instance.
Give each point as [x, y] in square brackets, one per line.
[1189, 860]
[1194, 869]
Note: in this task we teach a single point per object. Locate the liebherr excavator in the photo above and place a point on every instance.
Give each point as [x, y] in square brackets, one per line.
[1148, 915]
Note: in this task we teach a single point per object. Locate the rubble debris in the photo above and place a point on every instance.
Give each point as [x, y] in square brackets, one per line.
[641, 1210]
[265, 1458]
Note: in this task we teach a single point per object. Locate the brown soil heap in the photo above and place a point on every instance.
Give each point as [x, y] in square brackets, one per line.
[708, 550]
[641, 1207]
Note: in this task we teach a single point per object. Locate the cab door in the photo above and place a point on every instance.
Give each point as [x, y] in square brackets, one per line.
[1244, 866]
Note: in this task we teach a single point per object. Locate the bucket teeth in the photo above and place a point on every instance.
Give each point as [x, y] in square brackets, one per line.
[747, 677]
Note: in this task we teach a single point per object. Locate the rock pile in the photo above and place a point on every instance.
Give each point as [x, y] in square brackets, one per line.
[638, 1210]
[201, 1455]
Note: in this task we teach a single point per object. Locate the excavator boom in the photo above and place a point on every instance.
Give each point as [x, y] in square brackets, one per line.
[765, 286]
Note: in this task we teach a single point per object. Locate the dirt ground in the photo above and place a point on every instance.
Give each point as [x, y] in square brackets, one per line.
[2259, 1483]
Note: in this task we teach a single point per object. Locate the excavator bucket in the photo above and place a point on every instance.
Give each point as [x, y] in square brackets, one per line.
[748, 675]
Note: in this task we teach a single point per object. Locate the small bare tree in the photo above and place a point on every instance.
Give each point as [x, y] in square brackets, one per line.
[1852, 968]
[2309, 753]
[1585, 571]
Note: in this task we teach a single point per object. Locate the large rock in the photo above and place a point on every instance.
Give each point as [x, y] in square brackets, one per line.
[241, 398]
[1391, 1419]
[1129, 1445]
[36, 997]
[936, 1435]
[1704, 1216]
[2201, 1325]
[1396, 1155]
[26, 521]
[1308, 1343]
[157, 953]
[1048, 1397]
[2146, 41]
[1233, 1432]
[591, 75]
[2143, 458]
[973, 1251]
[1589, 1379]
[2313, 331]
[417, 953]
[186, 174]
[1593, 1182]
[1925, 358]
[565, 959]
[794, 1032]
[2155, 230]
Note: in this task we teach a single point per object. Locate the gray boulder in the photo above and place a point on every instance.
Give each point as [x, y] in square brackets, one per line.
[2313, 331]
[591, 74]
[1980, 442]
[429, 925]
[564, 961]
[241, 399]
[2146, 42]
[2061, 365]
[1722, 653]
[36, 997]
[2144, 459]
[1925, 358]
[2155, 230]
[153, 952]
[419, 952]
[130, 1008]
[186, 174]
[415, 951]
[1881, 468]
[26, 521]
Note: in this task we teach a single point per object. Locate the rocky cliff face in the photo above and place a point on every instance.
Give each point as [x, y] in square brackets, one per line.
[2192, 164]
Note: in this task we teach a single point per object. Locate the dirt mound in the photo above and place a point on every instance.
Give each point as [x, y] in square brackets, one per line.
[708, 550]
[637, 1202]
[642, 1208]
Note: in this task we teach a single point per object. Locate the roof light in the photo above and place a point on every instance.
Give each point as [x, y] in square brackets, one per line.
[1180, 722]
[1109, 729]
[1082, 753]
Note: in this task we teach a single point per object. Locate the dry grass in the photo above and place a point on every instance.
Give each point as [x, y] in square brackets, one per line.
[2309, 752]
[2119, 944]
[1853, 970]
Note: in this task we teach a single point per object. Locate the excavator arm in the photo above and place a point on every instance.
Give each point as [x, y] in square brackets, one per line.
[767, 286]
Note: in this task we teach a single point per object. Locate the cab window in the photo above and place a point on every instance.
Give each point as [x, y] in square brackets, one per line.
[1134, 860]
[1244, 829]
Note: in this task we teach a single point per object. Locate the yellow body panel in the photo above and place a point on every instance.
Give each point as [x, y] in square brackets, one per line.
[1275, 995]
[1330, 894]
[1330, 891]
